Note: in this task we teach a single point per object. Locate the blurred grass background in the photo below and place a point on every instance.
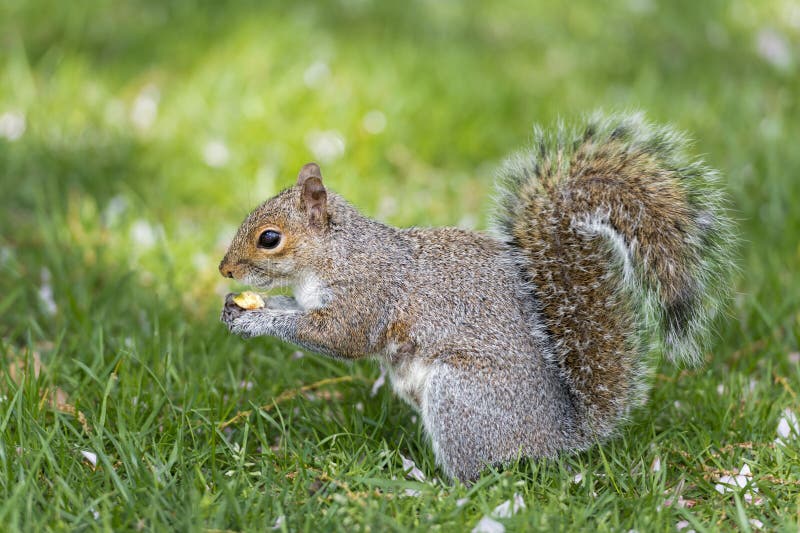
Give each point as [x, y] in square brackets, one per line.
[135, 136]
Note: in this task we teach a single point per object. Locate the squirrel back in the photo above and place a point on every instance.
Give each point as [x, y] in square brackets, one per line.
[623, 239]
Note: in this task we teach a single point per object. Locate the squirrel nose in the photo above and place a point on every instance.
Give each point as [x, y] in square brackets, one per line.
[225, 270]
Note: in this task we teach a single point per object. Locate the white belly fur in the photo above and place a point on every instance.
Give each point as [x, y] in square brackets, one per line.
[310, 293]
[409, 381]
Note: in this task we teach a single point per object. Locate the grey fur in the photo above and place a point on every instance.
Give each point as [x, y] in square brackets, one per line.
[453, 314]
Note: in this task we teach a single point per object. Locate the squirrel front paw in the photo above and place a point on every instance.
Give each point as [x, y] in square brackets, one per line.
[278, 317]
[232, 316]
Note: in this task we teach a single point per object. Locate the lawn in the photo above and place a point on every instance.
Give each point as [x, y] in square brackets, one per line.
[135, 136]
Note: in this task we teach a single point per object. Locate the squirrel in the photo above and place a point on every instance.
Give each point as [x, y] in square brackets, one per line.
[525, 342]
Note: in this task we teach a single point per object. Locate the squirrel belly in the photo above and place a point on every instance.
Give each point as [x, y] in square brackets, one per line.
[527, 342]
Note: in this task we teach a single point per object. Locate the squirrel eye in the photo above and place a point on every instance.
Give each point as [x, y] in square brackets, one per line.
[269, 239]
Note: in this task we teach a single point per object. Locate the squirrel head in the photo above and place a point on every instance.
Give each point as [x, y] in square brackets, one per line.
[281, 235]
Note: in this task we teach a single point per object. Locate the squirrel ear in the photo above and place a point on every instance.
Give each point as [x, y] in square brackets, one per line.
[315, 200]
[309, 170]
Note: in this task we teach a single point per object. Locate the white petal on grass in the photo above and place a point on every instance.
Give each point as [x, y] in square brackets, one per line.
[316, 73]
[374, 121]
[327, 146]
[114, 210]
[216, 153]
[461, 502]
[788, 427]
[751, 497]
[683, 524]
[577, 478]
[143, 234]
[723, 484]
[12, 125]
[411, 470]
[279, 522]
[756, 523]
[774, 48]
[503, 510]
[95, 514]
[678, 502]
[488, 525]
[376, 386]
[46, 293]
[412, 493]
[145, 108]
[90, 456]
[519, 503]
[720, 389]
[794, 357]
[784, 429]
[727, 483]
[656, 466]
[509, 507]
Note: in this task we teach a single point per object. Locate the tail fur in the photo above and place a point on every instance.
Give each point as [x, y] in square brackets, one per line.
[625, 240]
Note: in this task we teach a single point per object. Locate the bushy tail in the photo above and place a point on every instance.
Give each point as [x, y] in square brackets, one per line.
[625, 240]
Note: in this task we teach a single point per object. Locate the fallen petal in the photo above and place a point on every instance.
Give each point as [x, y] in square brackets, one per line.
[411, 470]
[90, 456]
[656, 466]
[519, 503]
[488, 525]
[788, 426]
[784, 430]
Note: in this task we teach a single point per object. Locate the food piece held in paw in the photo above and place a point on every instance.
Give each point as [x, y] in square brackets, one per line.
[249, 300]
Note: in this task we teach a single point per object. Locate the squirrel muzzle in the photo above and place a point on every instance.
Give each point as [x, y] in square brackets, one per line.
[225, 268]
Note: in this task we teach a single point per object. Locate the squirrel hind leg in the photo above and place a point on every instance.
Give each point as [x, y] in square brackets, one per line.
[481, 417]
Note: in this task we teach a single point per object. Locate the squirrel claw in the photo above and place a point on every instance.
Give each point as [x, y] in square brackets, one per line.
[230, 311]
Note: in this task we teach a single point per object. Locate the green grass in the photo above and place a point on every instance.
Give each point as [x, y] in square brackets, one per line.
[126, 224]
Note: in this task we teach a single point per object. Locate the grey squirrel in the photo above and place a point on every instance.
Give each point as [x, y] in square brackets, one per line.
[526, 342]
